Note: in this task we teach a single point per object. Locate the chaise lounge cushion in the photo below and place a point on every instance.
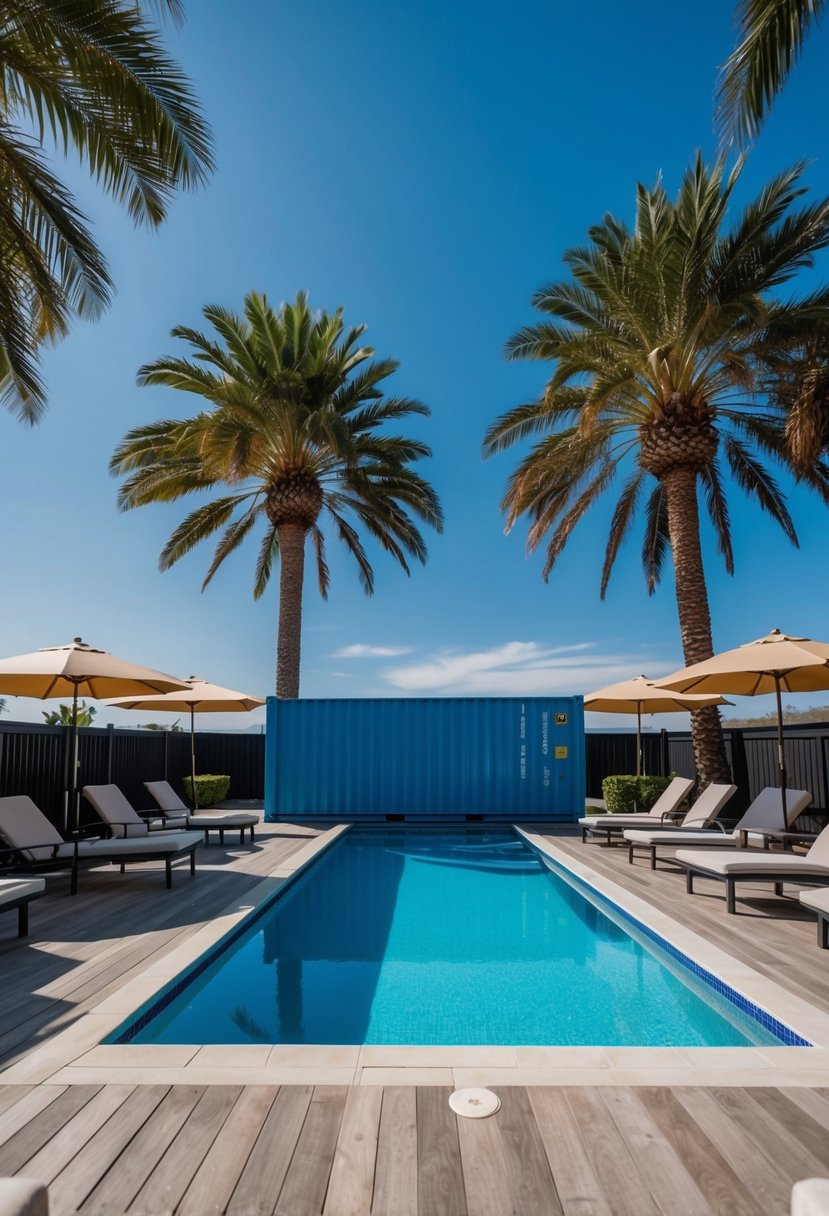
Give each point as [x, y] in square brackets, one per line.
[766, 811]
[12, 889]
[666, 803]
[122, 819]
[819, 899]
[205, 817]
[751, 861]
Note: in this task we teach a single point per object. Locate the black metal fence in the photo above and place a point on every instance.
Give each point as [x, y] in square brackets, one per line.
[35, 760]
[752, 755]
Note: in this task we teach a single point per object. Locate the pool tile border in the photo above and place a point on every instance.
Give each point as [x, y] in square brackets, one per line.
[78, 1056]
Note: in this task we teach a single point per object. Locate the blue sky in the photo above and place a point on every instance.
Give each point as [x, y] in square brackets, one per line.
[424, 165]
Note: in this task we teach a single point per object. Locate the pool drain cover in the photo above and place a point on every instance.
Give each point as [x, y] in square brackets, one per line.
[474, 1103]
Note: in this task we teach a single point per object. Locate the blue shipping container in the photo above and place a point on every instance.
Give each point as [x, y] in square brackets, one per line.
[510, 758]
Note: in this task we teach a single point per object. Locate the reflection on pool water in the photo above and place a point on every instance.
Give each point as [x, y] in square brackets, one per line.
[458, 937]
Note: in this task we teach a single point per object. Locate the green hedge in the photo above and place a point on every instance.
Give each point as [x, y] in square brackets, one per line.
[623, 794]
[210, 789]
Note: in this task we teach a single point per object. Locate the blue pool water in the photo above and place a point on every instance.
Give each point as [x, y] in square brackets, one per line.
[464, 937]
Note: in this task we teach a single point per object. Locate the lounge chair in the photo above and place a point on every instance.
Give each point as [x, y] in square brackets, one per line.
[212, 819]
[818, 901]
[752, 865]
[18, 893]
[665, 806]
[766, 811]
[33, 844]
[120, 817]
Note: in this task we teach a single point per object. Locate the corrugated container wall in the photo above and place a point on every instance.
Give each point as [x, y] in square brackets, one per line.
[493, 758]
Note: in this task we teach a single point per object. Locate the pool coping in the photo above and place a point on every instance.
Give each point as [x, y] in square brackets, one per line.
[77, 1055]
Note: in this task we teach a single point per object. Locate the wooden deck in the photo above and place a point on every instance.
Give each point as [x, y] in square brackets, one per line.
[302, 1151]
[82, 948]
[381, 1150]
[776, 936]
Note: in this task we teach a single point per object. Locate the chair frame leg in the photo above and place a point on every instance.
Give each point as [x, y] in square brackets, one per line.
[193, 863]
[730, 896]
[689, 882]
[168, 872]
[23, 920]
[823, 932]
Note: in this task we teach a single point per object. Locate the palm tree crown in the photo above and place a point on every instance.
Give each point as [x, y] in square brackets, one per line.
[90, 76]
[294, 431]
[673, 356]
[772, 34]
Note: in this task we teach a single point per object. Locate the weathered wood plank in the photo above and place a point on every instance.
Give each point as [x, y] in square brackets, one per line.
[395, 1176]
[141, 1155]
[261, 1180]
[755, 1118]
[10, 1094]
[577, 1185]
[27, 1108]
[760, 1175]
[351, 1185]
[612, 1160]
[216, 1178]
[715, 1179]
[485, 1175]
[70, 1140]
[668, 1181]
[32, 1135]
[528, 1169]
[303, 1192]
[166, 1185]
[83, 1174]
[440, 1189]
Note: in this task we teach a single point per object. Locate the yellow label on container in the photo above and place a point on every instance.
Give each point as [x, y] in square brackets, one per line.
[561, 753]
[561, 719]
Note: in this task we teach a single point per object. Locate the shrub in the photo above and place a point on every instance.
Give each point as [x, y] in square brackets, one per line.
[210, 789]
[624, 794]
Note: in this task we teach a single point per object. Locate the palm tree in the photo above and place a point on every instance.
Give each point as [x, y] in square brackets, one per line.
[772, 34]
[668, 342]
[63, 715]
[92, 77]
[293, 429]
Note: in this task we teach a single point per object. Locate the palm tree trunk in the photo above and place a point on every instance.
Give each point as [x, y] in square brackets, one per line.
[680, 485]
[289, 638]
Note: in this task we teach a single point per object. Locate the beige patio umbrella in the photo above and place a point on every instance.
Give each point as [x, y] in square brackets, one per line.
[642, 696]
[775, 664]
[199, 697]
[78, 670]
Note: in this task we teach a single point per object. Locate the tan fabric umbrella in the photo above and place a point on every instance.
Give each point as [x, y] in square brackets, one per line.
[199, 697]
[776, 663]
[79, 670]
[643, 696]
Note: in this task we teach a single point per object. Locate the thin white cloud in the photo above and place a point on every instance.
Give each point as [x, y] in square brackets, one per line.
[518, 669]
[361, 651]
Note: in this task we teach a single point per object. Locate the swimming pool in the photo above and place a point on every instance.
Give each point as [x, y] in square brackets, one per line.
[450, 937]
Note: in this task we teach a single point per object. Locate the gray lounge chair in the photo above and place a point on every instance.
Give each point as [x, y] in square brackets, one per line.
[121, 818]
[18, 893]
[33, 843]
[752, 865]
[206, 819]
[766, 811]
[818, 901]
[665, 806]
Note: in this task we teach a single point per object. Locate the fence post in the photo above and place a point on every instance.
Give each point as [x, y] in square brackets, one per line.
[739, 768]
[166, 753]
[664, 754]
[110, 738]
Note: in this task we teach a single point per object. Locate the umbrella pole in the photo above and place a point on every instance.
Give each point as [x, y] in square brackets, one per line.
[781, 752]
[193, 756]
